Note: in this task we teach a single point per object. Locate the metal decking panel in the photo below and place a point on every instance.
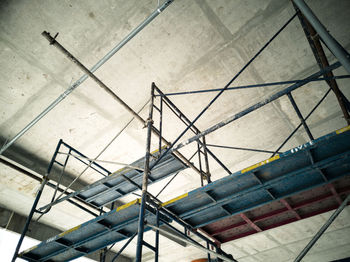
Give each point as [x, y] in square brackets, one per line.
[280, 212]
[115, 186]
[114, 226]
[311, 165]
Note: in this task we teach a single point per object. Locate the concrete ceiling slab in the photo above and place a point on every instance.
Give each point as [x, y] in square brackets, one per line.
[193, 45]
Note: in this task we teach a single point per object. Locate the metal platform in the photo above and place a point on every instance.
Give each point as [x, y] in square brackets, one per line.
[308, 166]
[116, 185]
[281, 212]
[125, 180]
[114, 226]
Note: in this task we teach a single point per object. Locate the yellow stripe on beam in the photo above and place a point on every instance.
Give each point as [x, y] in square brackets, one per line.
[28, 250]
[342, 130]
[69, 231]
[136, 201]
[119, 171]
[174, 199]
[155, 151]
[260, 164]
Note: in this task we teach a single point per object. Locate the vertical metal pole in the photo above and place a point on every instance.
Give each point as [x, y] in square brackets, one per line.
[160, 124]
[200, 161]
[208, 247]
[206, 160]
[338, 51]
[36, 201]
[61, 176]
[145, 180]
[103, 252]
[321, 58]
[157, 237]
[322, 230]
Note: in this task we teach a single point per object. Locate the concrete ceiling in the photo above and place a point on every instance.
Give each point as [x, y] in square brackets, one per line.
[193, 45]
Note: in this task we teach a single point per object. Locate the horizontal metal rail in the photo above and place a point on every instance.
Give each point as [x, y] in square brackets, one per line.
[254, 85]
[255, 107]
[104, 161]
[241, 148]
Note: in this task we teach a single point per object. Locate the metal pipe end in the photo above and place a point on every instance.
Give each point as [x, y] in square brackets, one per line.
[51, 39]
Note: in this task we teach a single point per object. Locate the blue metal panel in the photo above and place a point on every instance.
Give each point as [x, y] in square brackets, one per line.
[310, 165]
[93, 235]
[304, 167]
[115, 185]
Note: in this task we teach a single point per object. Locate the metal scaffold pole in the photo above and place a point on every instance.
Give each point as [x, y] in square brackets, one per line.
[145, 180]
[55, 43]
[190, 125]
[254, 107]
[36, 201]
[131, 35]
[322, 61]
[338, 51]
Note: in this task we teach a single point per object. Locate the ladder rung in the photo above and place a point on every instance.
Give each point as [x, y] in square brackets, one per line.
[149, 246]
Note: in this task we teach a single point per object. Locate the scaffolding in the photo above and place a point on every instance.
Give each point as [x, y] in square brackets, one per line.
[267, 181]
[203, 211]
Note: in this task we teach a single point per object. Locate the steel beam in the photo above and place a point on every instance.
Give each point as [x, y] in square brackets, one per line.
[287, 205]
[250, 222]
